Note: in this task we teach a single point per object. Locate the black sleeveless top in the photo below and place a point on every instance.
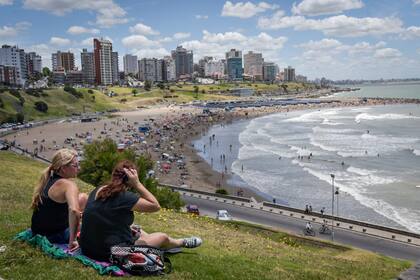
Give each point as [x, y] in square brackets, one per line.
[50, 217]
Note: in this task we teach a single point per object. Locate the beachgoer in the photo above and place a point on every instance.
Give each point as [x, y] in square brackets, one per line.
[309, 226]
[56, 202]
[109, 215]
[306, 208]
[310, 208]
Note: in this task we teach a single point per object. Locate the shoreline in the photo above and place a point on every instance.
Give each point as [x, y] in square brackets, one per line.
[183, 126]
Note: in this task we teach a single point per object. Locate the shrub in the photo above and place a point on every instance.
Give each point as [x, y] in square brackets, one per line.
[123, 100]
[73, 91]
[134, 92]
[32, 92]
[222, 191]
[41, 106]
[100, 157]
[20, 118]
[147, 85]
[1, 103]
[90, 91]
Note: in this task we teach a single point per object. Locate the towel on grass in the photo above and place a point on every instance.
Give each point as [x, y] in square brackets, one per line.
[61, 251]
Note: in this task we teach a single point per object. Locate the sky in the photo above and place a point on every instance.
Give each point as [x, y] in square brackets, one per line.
[336, 39]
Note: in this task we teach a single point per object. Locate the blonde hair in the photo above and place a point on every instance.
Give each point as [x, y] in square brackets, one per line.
[61, 158]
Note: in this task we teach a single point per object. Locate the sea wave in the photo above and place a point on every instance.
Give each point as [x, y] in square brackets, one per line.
[389, 116]
[416, 152]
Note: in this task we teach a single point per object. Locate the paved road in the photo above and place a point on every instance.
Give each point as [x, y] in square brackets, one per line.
[296, 226]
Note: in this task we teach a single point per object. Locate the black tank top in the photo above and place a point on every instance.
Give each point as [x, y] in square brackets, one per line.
[50, 217]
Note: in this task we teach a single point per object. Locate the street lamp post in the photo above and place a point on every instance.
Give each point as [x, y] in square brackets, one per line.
[337, 193]
[332, 206]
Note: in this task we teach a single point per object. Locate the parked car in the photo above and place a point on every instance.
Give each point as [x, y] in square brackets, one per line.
[223, 215]
[193, 209]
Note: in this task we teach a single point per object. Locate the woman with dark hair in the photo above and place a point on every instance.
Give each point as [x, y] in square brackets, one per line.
[109, 214]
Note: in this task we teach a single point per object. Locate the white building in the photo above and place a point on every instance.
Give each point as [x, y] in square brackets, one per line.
[253, 65]
[214, 69]
[151, 69]
[169, 68]
[130, 64]
[13, 56]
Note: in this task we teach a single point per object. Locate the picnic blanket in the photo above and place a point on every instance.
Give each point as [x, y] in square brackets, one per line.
[61, 251]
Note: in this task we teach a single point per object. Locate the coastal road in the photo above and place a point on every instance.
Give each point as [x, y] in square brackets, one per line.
[293, 225]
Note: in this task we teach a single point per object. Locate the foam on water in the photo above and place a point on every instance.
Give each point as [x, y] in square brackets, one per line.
[416, 152]
[390, 116]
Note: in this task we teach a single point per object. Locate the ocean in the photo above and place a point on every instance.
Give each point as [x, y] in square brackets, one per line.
[373, 153]
[388, 90]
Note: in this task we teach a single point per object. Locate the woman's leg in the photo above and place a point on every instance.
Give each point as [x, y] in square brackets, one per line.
[159, 240]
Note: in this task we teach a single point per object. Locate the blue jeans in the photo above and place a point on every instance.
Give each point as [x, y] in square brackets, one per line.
[60, 238]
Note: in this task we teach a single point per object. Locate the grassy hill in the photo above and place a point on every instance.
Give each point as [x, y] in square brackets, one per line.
[230, 250]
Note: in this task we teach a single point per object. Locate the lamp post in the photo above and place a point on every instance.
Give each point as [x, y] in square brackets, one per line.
[332, 206]
[337, 193]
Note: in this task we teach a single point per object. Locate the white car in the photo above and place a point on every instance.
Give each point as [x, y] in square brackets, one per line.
[223, 215]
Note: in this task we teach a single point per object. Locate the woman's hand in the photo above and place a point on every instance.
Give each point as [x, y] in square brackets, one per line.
[133, 178]
[73, 246]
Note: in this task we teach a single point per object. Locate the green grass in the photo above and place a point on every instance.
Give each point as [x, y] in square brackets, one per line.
[230, 250]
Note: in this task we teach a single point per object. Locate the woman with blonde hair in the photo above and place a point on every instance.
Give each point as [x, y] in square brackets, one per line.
[56, 202]
[109, 215]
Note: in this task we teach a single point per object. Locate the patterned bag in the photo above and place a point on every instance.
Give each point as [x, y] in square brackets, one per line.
[140, 260]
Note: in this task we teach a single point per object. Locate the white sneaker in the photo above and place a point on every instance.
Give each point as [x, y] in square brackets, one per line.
[192, 242]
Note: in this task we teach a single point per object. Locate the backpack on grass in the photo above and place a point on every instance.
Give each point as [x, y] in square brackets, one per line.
[140, 260]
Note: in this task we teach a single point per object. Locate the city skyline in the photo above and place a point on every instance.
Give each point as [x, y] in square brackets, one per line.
[338, 39]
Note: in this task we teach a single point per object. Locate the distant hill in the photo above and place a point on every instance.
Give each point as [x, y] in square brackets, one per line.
[231, 250]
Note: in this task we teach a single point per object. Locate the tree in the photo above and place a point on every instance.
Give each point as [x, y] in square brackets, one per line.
[20, 118]
[46, 72]
[41, 106]
[134, 92]
[222, 191]
[100, 157]
[147, 85]
[161, 86]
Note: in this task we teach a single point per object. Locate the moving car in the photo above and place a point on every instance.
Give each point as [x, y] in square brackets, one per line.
[223, 215]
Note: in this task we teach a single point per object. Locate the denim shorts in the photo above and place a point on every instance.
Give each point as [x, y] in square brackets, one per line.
[60, 238]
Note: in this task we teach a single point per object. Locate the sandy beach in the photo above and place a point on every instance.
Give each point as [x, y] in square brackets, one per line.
[169, 141]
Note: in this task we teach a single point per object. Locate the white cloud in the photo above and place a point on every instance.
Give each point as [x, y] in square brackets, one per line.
[201, 16]
[341, 26]
[416, 2]
[324, 7]
[143, 29]
[77, 30]
[137, 41]
[387, 53]
[13, 31]
[411, 32]
[181, 35]
[6, 2]
[323, 44]
[245, 10]
[107, 12]
[87, 42]
[223, 37]
[217, 44]
[151, 53]
[57, 41]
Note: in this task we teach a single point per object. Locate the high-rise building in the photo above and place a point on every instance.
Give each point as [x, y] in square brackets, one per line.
[169, 72]
[183, 62]
[289, 74]
[8, 75]
[202, 64]
[33, 63]
[234, 64]
[115, 68]
[269, 71]
[253, 65]
[102, 56]
[214, 69]
[88, 67]
[130, 64]
[151, 69]
[13, 56]
[63, 61]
